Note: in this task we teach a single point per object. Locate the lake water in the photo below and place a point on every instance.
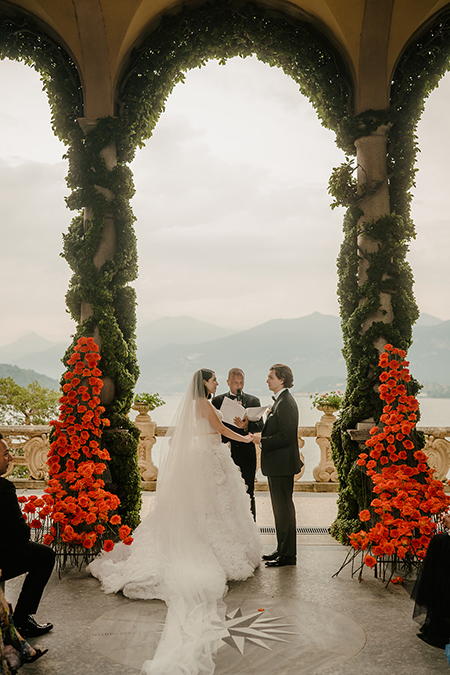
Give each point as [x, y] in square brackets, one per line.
[434, 412]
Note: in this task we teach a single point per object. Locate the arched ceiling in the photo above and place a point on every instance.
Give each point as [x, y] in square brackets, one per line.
[370, 34]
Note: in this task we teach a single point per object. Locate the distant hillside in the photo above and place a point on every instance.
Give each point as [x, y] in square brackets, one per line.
[33, 352]
[429, 354]
[31, 342]
[48, 360]
[177, 330]
[435, 390]
[172, 348]
[25, 377]
[428, 320]
[311, 345]
[325, 383]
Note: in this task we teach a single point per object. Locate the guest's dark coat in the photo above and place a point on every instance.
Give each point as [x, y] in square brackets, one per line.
[13, 528]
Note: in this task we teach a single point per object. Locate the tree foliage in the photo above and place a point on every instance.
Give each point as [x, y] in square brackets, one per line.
[33, 404]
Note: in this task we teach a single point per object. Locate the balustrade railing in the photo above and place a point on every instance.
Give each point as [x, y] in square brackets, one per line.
[29, 446]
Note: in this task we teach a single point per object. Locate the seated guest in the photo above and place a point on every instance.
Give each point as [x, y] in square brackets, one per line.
[14, 650]
[19, 555]
[432, 591]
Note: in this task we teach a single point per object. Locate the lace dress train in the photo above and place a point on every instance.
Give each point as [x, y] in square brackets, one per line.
[199, 534]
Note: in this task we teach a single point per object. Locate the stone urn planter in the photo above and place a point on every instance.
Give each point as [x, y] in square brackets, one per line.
[147, 440]
[325, 471]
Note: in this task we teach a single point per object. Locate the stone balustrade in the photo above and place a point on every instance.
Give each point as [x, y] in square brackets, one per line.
[29, 446]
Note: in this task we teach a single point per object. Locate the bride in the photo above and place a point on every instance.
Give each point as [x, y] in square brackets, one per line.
[199, 534]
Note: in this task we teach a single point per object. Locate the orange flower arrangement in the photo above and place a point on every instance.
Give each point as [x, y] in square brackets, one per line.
[81, 509]
[407, 497]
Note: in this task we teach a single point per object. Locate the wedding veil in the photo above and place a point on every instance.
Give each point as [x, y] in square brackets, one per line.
[170, 557]
[192, 580]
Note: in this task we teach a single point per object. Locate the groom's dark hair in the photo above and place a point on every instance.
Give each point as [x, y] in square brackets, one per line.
[283, 373]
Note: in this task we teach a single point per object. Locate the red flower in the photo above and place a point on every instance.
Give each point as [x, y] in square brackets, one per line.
[108, 545]
[370, 561]
[75, 490]
[364, 515]
[124, 531]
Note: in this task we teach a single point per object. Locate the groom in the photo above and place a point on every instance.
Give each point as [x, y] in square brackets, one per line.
[280, 461]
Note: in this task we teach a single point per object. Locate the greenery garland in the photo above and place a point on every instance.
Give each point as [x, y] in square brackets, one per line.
[111, 300]
[417, 74]
[185, 40]
[107, 193]
[220, 31]
[182, 41]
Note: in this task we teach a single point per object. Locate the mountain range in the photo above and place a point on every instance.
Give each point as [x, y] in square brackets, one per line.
[172, 348]
[24, 377]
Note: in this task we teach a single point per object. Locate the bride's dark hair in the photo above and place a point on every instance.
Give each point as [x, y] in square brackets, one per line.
[207, 375]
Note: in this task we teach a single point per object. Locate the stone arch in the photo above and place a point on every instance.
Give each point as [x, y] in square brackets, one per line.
[24, 37]
[188, 38]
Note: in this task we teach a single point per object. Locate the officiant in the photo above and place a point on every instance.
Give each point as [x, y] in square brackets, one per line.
[243, 454]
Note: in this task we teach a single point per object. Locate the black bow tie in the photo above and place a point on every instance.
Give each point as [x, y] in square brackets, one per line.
[232, 397]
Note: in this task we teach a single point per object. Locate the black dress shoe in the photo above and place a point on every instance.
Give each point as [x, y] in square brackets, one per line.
[28, 627]
[37, 655]
[282, 560]
[271, 556]
[440, 644]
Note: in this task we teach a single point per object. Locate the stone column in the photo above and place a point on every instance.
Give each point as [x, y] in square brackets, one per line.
[107, 246]
[373, 183]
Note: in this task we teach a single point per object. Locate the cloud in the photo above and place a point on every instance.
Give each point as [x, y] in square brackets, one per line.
[33, 276]
[233, 218]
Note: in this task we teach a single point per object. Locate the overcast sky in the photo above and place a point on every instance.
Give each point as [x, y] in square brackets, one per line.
[233, 218]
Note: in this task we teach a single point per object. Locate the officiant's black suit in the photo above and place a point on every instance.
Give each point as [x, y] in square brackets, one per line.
[19, 555]
[280, 461]
[243, 454]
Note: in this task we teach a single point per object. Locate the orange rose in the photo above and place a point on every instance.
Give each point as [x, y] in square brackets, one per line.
[370, 561]
[108, 545]
[124, 531]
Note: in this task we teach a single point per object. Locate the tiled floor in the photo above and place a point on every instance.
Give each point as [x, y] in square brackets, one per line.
[328, 625]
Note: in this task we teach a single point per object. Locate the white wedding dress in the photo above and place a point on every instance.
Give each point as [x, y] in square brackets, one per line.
[199, 534]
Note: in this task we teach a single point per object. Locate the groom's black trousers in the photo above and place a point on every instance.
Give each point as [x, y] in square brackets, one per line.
[36, 561]
[281, 489]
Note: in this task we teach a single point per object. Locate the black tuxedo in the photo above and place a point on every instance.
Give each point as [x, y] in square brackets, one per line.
[243, 454]
[19, 555]
[280, 461]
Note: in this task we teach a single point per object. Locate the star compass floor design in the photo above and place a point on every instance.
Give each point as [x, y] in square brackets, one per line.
[262, 635]
[255, 628]
[281, 635]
